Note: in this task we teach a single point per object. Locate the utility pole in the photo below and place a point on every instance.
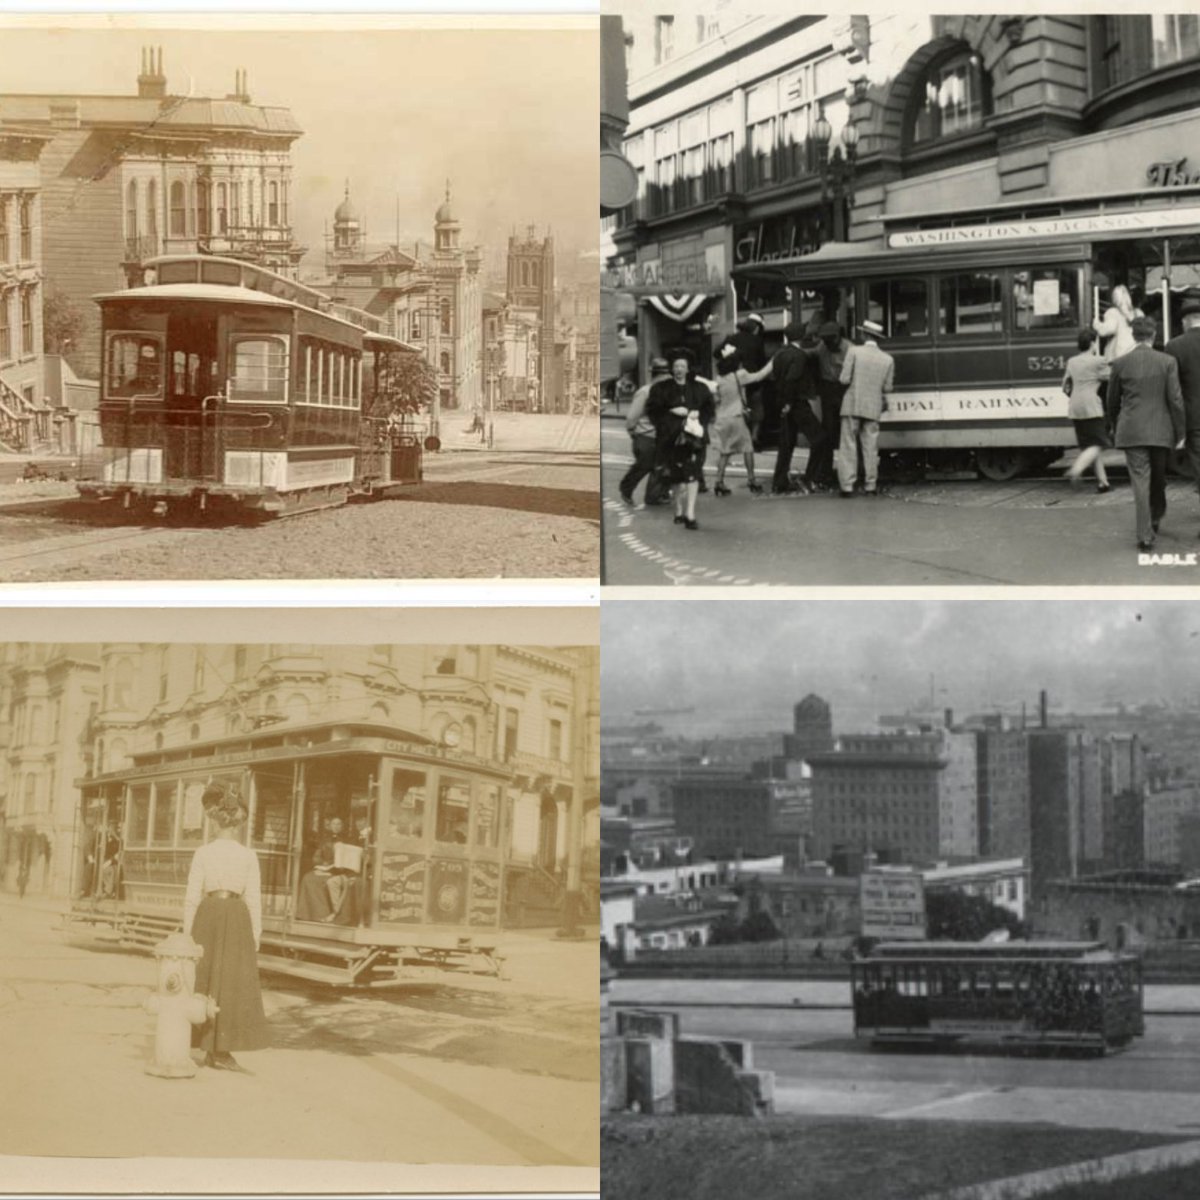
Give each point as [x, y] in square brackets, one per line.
[584, 713]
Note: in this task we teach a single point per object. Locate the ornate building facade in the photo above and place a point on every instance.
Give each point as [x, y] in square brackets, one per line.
[125, 178]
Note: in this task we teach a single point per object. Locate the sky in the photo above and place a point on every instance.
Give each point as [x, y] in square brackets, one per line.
[508, 115]
[743, 664]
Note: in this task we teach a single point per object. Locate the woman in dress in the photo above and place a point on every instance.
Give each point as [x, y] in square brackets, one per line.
[1117, 324]
[681, 409]
[1086, 372]
[222, 909]
[730, 433]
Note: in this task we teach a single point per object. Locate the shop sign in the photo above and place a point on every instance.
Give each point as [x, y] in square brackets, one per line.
[1172, 173]
[682, 268]
[776, 238]
[1148, 220]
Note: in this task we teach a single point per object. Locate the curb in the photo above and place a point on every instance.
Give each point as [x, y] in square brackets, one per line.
[1090, 1171]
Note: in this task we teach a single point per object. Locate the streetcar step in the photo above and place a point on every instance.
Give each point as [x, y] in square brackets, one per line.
[305, 970]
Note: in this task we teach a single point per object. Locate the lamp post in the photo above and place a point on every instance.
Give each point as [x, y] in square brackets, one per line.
[836, 169]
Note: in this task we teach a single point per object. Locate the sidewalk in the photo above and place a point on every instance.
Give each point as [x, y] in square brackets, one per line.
[74, 1033]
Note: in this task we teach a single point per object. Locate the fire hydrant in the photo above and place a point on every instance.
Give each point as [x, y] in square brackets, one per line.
[177, 1007]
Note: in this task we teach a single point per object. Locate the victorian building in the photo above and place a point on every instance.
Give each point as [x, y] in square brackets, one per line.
[431, 298]
[530, 295]
[125, 178]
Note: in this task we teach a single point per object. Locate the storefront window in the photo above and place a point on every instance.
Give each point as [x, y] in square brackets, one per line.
[901, 306]
[953, 98]
[1046, 298]
[970, 303]
[406, 818]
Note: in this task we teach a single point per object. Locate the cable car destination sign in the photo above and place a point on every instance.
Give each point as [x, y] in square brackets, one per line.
[892, 905]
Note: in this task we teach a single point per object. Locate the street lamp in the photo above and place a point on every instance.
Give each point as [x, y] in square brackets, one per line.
[836, 169]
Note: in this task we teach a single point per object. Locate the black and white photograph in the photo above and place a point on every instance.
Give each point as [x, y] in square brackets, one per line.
[899, 299]
[900, 901]
[334, 906]
[288, 297]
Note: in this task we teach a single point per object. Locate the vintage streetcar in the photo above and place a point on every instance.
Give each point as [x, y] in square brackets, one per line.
[1050, 994]
[224, 384]
[981, 312]
[418, 831]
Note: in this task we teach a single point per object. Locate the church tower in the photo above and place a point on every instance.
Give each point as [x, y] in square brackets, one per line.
[531, 287]
[347, 228]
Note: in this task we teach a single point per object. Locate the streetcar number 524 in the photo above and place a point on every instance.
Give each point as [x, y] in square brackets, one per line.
[1046, 362]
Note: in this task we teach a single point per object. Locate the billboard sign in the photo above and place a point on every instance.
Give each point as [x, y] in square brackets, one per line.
[892, 905]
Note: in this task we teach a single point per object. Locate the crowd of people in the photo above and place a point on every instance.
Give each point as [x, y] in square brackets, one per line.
[828, 391]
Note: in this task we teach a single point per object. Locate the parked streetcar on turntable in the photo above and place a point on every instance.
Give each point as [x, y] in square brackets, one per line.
[406, 835]
[224, 383]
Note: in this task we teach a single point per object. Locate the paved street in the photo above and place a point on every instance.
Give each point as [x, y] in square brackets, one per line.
[821, 1070]
[952, 533]
[468, 1073]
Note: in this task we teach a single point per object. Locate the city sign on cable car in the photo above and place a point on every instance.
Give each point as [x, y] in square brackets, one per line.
[892, 905]
[1142, 219]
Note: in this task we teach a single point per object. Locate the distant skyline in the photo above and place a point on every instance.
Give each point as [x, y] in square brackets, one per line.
[744, 664]
[508, 115]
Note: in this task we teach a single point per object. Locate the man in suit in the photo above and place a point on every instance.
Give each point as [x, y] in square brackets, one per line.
[1145, 404]
[642, 434]
[869, 374]
[1185, 350]
[831, 358]
[794, 372]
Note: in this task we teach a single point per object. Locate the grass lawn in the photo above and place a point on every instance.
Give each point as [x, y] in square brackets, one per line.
[795, 1158]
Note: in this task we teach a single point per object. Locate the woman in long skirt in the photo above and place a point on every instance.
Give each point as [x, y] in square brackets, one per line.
[222, 910]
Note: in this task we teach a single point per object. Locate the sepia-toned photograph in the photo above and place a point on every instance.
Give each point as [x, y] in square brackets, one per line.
[299, 902]
[899, 902]
[944, 267]
[298, 298]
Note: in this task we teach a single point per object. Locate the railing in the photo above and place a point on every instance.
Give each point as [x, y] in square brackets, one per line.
[537, 765]
[23, 423]
[15, 429]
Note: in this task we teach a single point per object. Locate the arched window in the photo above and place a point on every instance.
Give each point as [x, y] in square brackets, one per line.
[445, 363]
[273, 204]
[194, 733]
[123, 684]
[415, 331]
[178, 210]
[953, 96]
[222, 208]
[379, 712]
[203, 202]
[445, 311]
[131, 210]
[297, 707]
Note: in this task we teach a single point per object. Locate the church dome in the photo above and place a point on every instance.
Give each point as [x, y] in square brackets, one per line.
[445, 214]
[346, 212]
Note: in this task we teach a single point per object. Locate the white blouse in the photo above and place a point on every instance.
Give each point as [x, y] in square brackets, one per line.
[224, 866]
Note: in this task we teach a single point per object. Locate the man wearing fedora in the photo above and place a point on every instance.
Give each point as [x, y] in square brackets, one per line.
[1185, 350]
[643, 436]
[869, 373]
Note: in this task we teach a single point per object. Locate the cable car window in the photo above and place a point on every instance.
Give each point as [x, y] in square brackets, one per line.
[191, 827]
[901, 306]
[970, 303]
[1046, 298]
[134, 365]
[223, 273]
[259, 369]
[165, 802]
[487, 815]
[139, 816]
[407, 816]
[177, 272]
[453, 811]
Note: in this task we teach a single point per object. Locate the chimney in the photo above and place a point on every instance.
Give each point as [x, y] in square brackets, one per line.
[241, 86]
[948, 717]
[1044, 709]
[152, 83]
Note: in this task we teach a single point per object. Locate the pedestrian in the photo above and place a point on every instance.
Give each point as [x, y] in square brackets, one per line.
[751, 344]
[730, 433]
[1086, 373]
[642, 436]
[1117, 324]
[831, 358]
[869, 373]
[794, 370]
[1145, 405]
[222, 910]
[681, 408]
[1185, 350]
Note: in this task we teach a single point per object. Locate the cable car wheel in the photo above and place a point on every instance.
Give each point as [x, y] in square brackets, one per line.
[1001, 463]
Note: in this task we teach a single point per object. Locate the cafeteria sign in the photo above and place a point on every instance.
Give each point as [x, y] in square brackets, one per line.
[892, 906]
